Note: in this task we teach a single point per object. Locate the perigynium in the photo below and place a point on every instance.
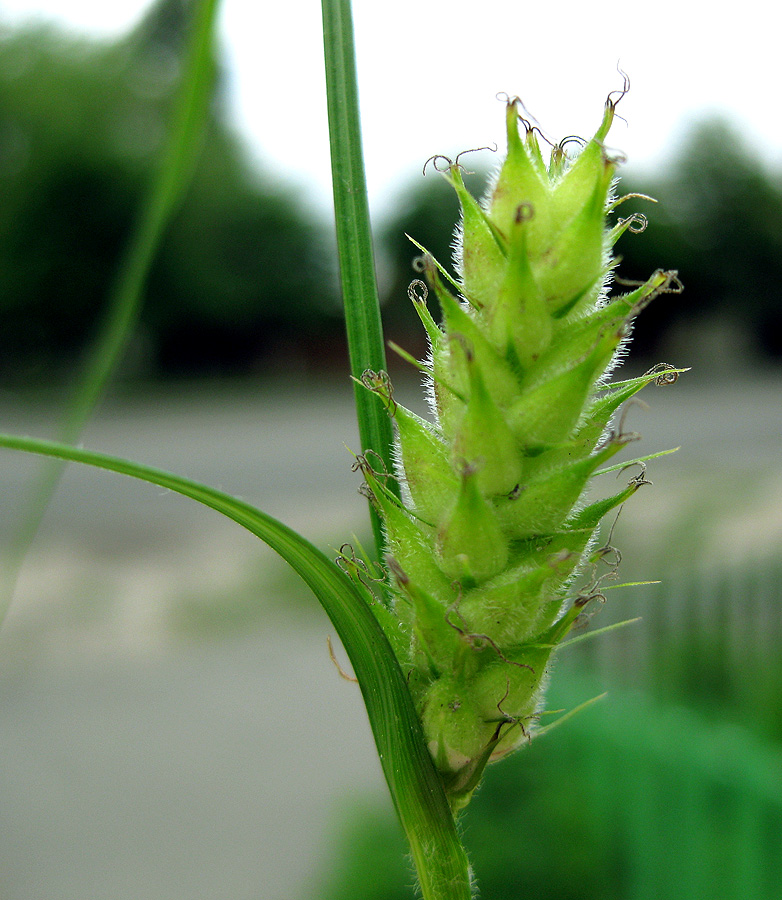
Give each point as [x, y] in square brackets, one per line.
[491, 552]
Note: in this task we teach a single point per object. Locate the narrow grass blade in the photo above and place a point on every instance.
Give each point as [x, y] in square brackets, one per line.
[644, 379]
[597, 632]
[354, 235]
[174, 171]
[414, 784]
[125, 297]
[634, 462]
[568, 715]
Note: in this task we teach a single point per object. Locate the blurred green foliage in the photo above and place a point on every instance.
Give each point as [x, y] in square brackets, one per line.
[707, 639]
[719, 222]
[245, 267]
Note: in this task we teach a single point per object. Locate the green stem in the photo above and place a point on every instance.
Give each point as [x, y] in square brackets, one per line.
[438, 854]
[354, 235]
[173, 174]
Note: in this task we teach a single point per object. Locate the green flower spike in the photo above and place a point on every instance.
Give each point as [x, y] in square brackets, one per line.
[492, 530]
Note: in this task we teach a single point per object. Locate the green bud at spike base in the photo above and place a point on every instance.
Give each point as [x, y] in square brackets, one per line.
[494, 525]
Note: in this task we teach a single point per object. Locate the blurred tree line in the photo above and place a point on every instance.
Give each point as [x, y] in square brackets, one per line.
[246, 274]
[244, 271]
[719, 222]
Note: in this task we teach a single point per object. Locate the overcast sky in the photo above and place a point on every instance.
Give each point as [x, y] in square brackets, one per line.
[430, 71]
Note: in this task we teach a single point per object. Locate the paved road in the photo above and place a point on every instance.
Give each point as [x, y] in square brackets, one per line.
[290, 456]
[215, 771]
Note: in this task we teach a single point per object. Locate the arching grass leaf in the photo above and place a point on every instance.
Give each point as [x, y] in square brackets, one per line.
[415, 786]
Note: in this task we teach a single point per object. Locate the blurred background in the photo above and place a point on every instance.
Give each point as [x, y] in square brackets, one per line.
[171, 725]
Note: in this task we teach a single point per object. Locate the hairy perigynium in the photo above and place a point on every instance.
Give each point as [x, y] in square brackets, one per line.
[492, 530]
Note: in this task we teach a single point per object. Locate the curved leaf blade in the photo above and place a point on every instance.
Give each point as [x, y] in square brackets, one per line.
[415, 786]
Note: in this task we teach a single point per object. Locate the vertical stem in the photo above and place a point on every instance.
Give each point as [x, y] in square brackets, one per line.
[174, 170]
[354, 236]
[415, 786]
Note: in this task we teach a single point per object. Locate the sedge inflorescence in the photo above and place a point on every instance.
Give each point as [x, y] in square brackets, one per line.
[490, 530]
